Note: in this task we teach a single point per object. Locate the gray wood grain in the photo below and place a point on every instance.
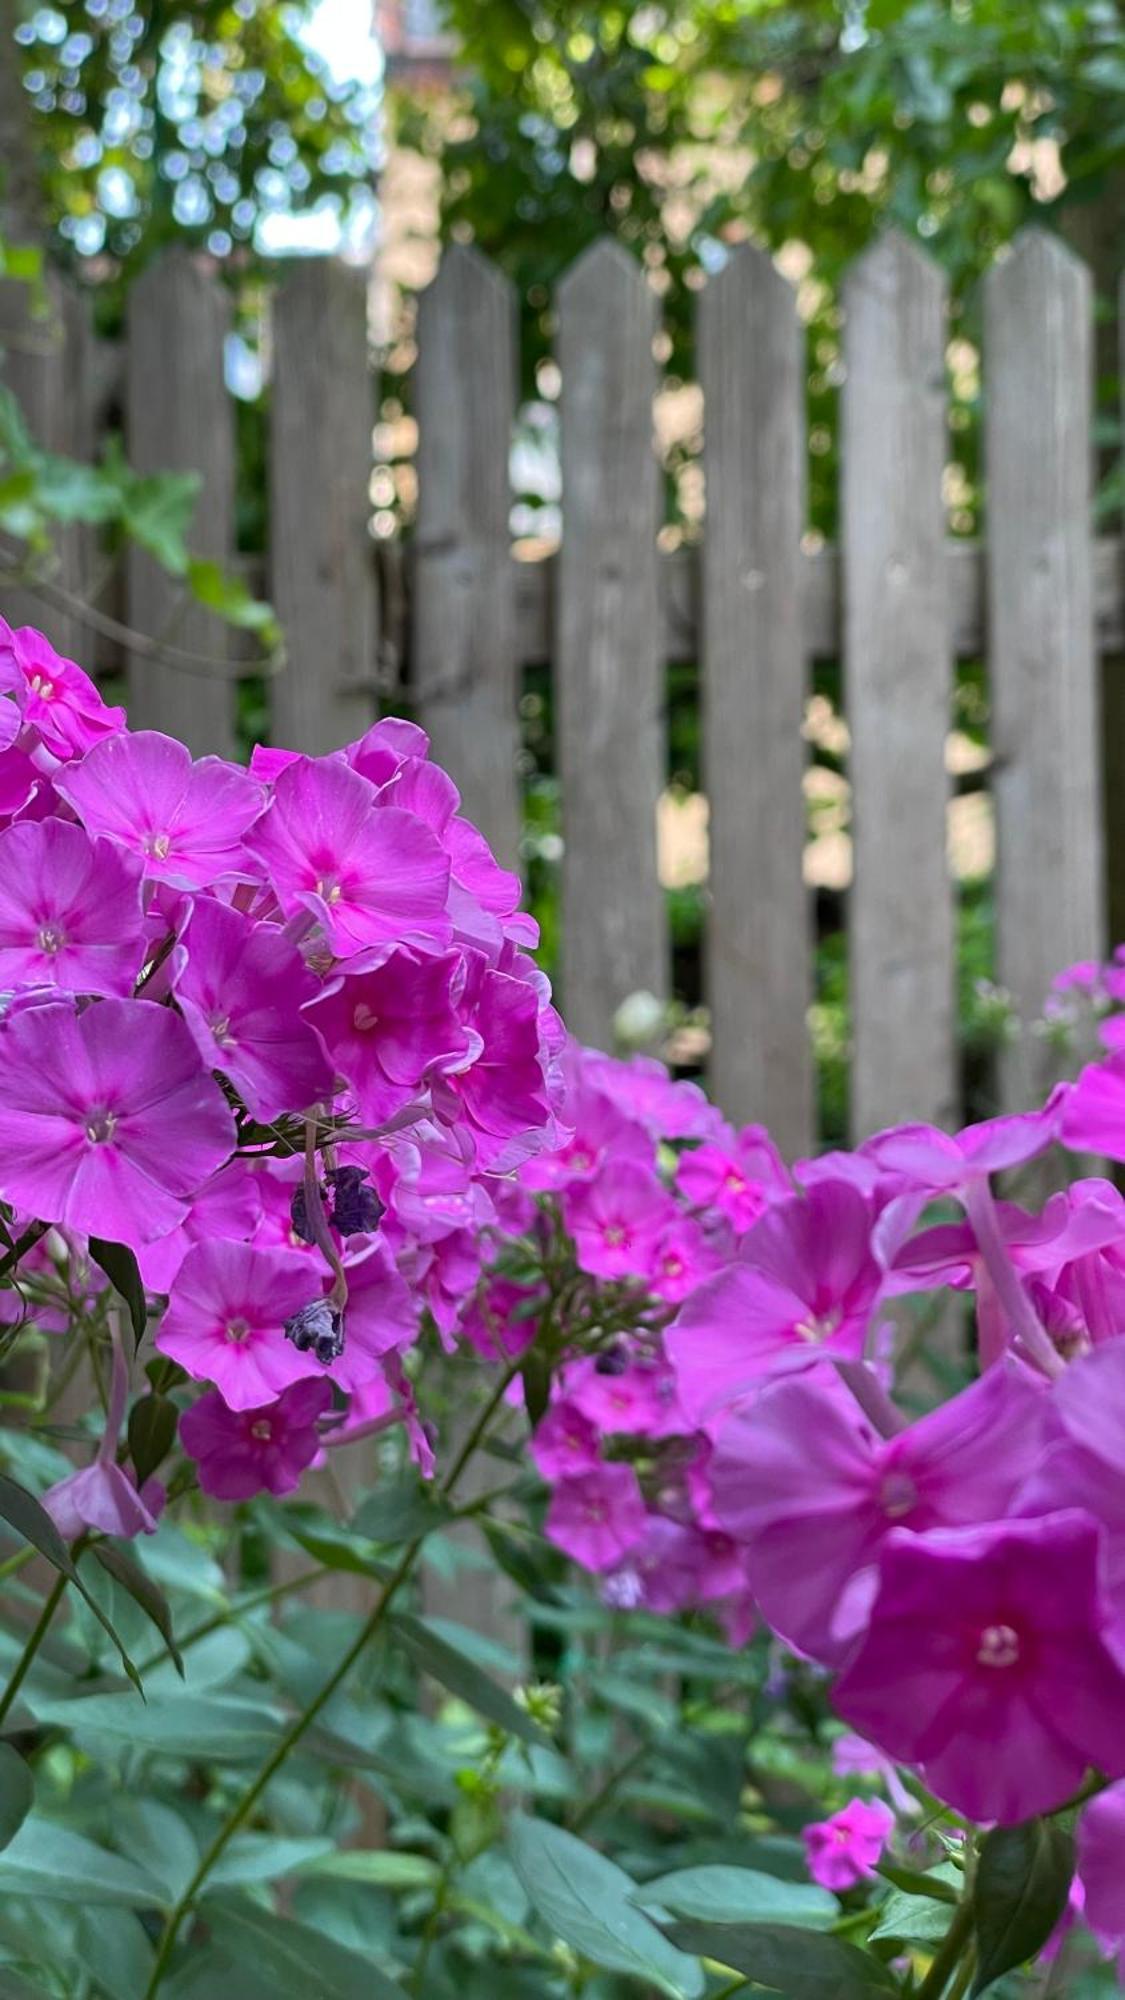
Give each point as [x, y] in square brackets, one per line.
[179, 418]
[322, 573]
[1039, 458]
[45, 361]
[898, 670]
[753, 663]
[463, 647]
[609, 689]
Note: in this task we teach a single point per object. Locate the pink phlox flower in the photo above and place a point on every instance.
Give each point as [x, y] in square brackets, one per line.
[242, 1452]
[847, 1847]
[1085, 976]
[1082, 1465]
[805, 1284]
[618, 1220]
[811, 1493]
[1101, 1866]
[739, 1175]
[854, 1757]
[565, 1443]
[390, 1028]
[986, 1665]
[484, 899]
[598, 1517]
[598, 1132]
[228, 1206]
[1094, 1118]
[108, 1120]
[931, 1161]
[55, 697]
[240, 987]
[185, 821]
[503, 1321]
[444, 1273]
[501, 1094]
[684, 1257]
[432, 1190]
[369, 877]
[104, 1496]
[677, 1567]
[642, 1088]
[628, 1392]
[226, 1321]
[70, 910]
[382, 751]
[20, 782]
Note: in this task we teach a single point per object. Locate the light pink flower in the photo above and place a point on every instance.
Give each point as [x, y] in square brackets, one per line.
[986, 1664]
[847, 1848]
[104, 1496]
[241, 986]
[70, 910]
[370, 876]
[184, 821]
[242, 1452]
[226, 1321]
[108, 1120]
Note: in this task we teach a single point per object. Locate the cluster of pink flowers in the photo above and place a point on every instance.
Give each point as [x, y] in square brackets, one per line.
[275, 1031]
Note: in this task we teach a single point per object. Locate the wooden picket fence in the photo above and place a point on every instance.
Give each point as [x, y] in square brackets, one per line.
[897, 601]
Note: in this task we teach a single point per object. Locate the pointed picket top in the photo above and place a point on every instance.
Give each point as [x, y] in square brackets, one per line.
[603, 269]
[748, 269]
[894, 255]
[465, 273]
[1034, 258]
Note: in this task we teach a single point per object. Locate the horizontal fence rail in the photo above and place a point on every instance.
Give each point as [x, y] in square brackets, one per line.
[456, 615]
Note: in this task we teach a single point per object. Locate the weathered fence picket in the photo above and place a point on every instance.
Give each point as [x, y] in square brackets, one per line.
[322, 577]
[179, 418]
[463, 649]
[609, 686]
[1038, 371]
[899, 686]
[753, 666]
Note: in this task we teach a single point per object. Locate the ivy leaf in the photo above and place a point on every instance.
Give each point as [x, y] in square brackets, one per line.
[1022, 1884]
[126, 1570]
[122, 1270]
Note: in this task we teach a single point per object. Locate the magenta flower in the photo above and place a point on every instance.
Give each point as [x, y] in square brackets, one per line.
[601, 1131]
[986, 1663]
[70, 910]
[108, 1120]
[104, 1496]
[229, 1205]
[620, 1391]
[226, 1321]
[805, 1283]
[380, 1318]
[618, 1219]
[810, 1493]
[501, 1093]
[185, 821]
[1101, 1863]
[847, 1848]
[1082, 1466]
[740, 1176]
[388, 1028]
[565, 1443]
[923, 1157]
[1094, 1118]
[598, 1517]
[241, 989]
[370, 875]
[643, 1090]
[242, 1452]
[56, 697]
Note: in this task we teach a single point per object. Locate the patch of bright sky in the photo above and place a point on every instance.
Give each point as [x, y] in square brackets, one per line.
[342, 34]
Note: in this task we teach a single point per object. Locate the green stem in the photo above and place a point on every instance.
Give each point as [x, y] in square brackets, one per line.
[34, 1640]
[433, 1925]
[616, 1777]
[17, 1561]
[737, 1985]
[230, 1615]
[303, 1722]
[949, 1952]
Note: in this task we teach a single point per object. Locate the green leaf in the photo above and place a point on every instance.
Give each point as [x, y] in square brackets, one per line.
[17, 1793]
[297, 1960]
[22, 1511]
[941, 1883]
[912, 1919]
[264, 1857]
[222, 1727]
[383, 1866]
[126, 1570]
[47, 1860]
[401, 1511]
[1022, 1882]
[802, 1964]
[152, 1433]
[586, 1900]
[461, 1676]
[536, 1373]
[157, 513]
[121, 1268]
[723, 1895]
[114, 1949]
[227, 595]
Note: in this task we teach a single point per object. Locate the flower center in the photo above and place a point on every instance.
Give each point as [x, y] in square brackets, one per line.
[262, 1430]
[364, 1018]
[819, 1326]
[328, 887]
[158, 844]
[100, 1127]
[220, 1028]
[999, 1646]
[51, 939]
[898, 1495]
[40, 686]
[614, 1236]
[237, 1330]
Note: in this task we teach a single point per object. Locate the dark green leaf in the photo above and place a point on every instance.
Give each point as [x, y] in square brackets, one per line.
[912, 1919]
[941, 1883]
[126, 1570]
[401, 1511]
[1022, 1883]
[51, 1861]
[454, 1671]
[297, 1960]
[723, 1895]
[17, 1791]
[586, 1900]
[152, 1433]
[527, 1561]
[802, 1964]
[120, 1267]
[536, 1374]
[22, 1511]
[223, 1727]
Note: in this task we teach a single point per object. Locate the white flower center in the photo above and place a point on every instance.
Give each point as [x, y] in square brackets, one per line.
[158, 844]
[41, 686]
[999, 1646]
[237, 1330]
[100, 1127]
[51, 939]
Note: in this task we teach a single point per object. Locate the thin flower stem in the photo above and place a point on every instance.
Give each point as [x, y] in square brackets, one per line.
[604, 1792]
[269, 1595]
[737, 1985]
[948, 1955]
[17, 1561]
[1023, 1319]
[34, 1640]
[303, 1722]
